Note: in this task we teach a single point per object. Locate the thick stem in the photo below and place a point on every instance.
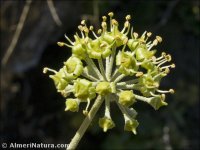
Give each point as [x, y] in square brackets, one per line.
[79, 134]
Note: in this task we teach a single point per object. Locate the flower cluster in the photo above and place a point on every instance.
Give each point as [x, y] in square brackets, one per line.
[118, 65]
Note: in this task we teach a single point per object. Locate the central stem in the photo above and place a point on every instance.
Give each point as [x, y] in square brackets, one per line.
[79, 134]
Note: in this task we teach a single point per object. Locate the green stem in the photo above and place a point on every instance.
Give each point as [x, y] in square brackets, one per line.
[107, 67]
[93, 67]
[112, 58]
[102, 68]
[119, 78]
[79, 134]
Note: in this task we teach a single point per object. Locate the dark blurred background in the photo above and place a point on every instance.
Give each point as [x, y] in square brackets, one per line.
[32, 110]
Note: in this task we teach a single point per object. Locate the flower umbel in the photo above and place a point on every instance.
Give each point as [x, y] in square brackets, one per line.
[114, 66]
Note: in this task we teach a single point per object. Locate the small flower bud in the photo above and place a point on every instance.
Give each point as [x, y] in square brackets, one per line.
[83, 90]
[126, 98]
[157, 102]
[72, 105]
[103, 88]
[131, 125]
[106, 123]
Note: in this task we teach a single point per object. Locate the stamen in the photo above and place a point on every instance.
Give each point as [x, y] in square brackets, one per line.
[69, 39]
[164, 92]
[159, 58]
[48, 69]
[111, 15]
[154, 95]
[104, 26]
[85, 112]
[162, 62]
[143, 35]
[132, 32]
[148, 35]
[126, 25]
[114, 22]
[160, 74]
[85, 29]
[80, 27]
[61, 44]
[172, 66]
[94, 34]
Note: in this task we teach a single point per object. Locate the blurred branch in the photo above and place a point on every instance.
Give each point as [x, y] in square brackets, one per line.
[95, 17]
[19, 28]
[53, 12]
[167, 14]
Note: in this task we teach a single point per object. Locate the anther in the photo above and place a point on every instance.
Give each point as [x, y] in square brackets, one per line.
[99, 31]
[111, 14]
[83, 22]
[171, 91]
[48, 69]
[80, 27]
[61, 44]
[104, 25]
[104, 18]
[166, 70]
[135, 35]
[163, 54]
[91, 28]
[128, 17]
[126, 24]
[138, 74]
[159, 39]
[85, 29]
[114, 22]
[155, 42]
[168, 58]
[149, 34]
[173, 65]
